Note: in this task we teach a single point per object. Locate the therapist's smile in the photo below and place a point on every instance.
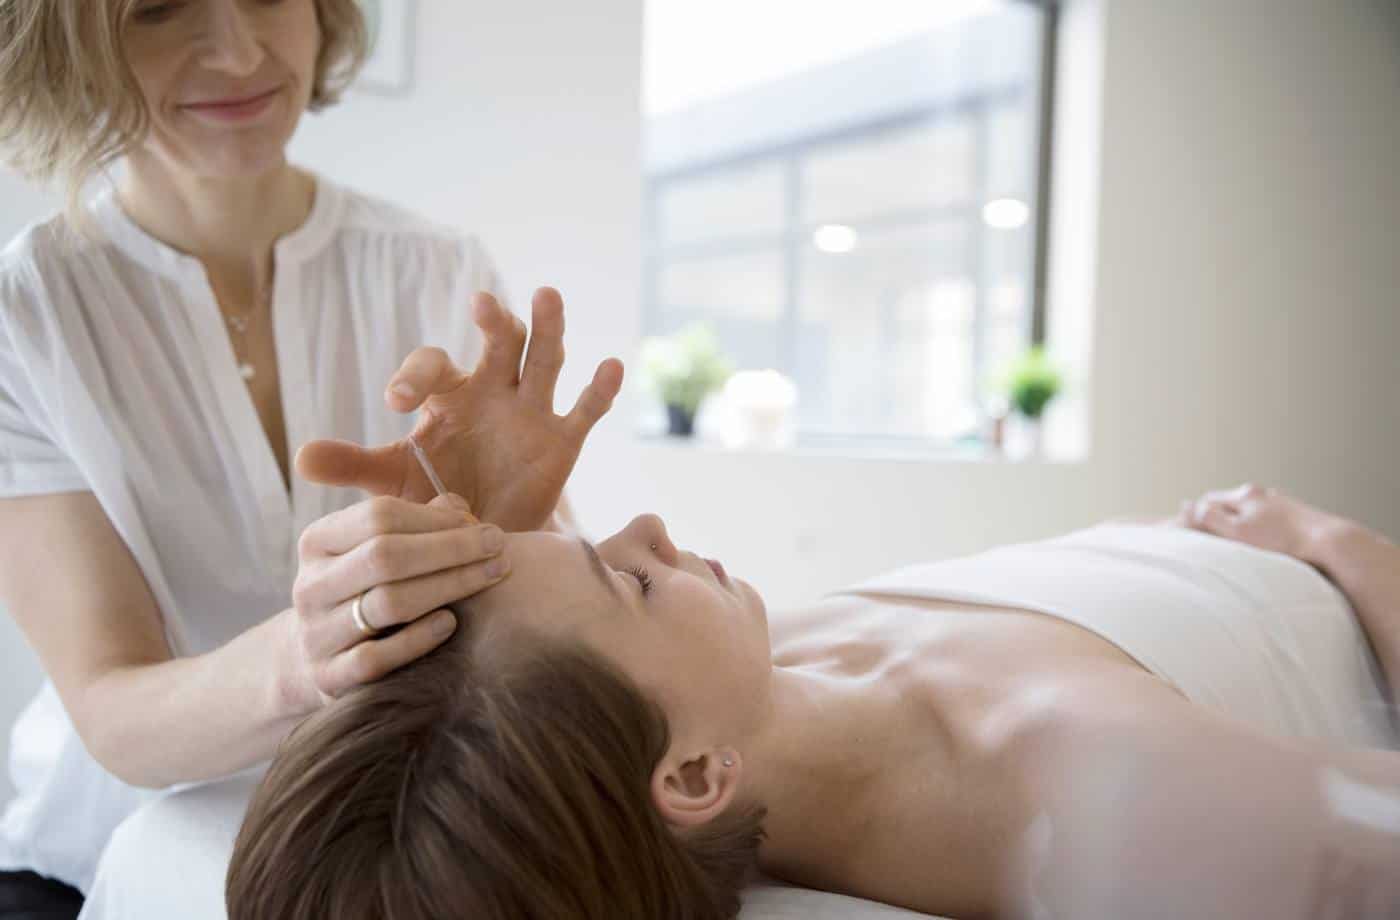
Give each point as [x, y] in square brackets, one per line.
[233, 109]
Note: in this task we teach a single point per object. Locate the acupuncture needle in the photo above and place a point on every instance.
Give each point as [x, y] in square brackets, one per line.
[427, 466]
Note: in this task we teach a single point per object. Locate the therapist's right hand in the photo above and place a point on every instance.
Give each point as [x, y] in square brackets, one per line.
[409, 561]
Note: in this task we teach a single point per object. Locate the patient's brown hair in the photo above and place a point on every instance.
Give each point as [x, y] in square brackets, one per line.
[452, 790]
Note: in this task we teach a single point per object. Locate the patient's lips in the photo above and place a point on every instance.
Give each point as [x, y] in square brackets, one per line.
[718, 569]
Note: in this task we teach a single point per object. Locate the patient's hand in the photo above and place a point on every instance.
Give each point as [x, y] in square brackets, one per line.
[492, 435]
[1264, 518]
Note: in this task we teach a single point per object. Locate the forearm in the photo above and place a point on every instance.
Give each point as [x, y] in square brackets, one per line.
[1366, 567]
[196, 718]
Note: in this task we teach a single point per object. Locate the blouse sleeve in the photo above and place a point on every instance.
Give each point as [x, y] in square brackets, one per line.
[31, 462]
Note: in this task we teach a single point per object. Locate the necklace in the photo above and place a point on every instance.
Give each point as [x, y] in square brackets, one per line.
[239, 324]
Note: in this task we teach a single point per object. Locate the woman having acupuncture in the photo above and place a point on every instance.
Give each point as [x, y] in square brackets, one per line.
[162, 349]
[1130, 720]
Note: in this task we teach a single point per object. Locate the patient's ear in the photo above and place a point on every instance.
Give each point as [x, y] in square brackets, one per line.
[692, 790]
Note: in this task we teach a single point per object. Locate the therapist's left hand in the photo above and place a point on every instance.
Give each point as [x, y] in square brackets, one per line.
[492, 435]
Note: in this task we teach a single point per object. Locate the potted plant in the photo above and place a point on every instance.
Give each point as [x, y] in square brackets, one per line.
[682, 369]
[1031, 383]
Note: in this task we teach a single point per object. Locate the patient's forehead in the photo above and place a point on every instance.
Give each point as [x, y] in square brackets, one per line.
[549, 587]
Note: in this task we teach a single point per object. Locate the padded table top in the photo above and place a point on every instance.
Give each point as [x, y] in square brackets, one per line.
[169, 860]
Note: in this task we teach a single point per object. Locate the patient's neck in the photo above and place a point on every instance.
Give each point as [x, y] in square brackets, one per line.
[813, 766]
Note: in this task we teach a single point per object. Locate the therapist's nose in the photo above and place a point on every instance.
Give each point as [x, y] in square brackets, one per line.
[230, 43]
[650, 530]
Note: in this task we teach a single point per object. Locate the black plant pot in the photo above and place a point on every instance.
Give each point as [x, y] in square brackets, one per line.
[680, 422]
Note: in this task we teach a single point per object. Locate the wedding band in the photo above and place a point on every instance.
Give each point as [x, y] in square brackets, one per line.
[357, 613]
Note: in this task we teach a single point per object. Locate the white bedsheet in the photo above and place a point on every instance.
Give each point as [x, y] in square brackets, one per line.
[169, 858]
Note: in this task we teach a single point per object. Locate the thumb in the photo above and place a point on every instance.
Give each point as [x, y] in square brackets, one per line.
[377, 470]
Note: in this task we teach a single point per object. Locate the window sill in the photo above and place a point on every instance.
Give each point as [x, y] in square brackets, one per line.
[874, 449]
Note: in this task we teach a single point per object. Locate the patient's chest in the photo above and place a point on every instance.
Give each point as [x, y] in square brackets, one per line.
[873, 634]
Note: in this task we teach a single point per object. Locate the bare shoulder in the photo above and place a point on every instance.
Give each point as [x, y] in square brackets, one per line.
[1140, 796]
[1055, 724]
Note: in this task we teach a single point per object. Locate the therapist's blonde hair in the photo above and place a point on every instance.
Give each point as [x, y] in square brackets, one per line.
[69, 103]
[451, 790]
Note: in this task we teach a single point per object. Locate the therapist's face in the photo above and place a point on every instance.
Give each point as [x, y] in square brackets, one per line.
[224, 81]
[694, 639]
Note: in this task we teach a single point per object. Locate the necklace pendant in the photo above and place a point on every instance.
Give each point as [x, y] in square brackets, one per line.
[247, 370]
[239, 323]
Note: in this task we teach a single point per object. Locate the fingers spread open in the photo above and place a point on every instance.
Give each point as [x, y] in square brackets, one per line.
[505, 340]
[596, 398]
[545, 356]
[427, 371]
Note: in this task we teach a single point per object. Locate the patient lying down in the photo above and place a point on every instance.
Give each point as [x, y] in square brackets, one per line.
[619, 732]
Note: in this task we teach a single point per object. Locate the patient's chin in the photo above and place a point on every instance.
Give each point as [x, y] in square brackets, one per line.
[756, 605]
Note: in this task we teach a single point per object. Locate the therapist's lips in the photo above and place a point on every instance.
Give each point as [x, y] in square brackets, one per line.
[234, 109]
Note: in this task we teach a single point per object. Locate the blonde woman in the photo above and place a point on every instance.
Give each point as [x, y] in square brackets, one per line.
[162, 347]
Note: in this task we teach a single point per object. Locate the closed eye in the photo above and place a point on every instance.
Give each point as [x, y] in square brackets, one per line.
[156, 12]
[643, 578]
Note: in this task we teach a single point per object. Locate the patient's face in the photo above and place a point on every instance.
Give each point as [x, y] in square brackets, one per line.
[694, 640]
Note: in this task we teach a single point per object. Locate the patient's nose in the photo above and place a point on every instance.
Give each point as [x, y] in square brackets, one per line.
[650, 530]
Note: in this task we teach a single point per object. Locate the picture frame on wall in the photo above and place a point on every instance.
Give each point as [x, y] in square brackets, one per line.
[389, 67]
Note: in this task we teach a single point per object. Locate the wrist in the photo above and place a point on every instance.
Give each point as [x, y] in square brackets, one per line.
[1331, 540]
[289, 691]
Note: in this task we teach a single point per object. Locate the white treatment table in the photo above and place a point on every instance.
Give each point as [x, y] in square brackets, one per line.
[168, 860]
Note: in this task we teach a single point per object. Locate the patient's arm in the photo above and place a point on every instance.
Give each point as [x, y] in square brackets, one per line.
[1366, 566]
[1362, 563]
[1152, 806]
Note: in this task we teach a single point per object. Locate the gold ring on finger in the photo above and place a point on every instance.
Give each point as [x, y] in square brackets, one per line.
[357, 613]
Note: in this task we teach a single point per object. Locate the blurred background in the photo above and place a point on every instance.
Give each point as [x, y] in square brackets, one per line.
[1194, 207]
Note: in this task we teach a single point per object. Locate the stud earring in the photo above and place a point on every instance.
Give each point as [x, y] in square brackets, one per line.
[653, 547]
[728, 762]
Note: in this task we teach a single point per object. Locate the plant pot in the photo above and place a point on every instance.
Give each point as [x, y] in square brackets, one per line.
[680, 422]
[1035, 438]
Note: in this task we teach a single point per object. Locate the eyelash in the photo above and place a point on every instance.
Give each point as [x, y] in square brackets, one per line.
[642, 576]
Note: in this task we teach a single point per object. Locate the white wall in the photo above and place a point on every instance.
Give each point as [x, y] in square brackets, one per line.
[1243, 290]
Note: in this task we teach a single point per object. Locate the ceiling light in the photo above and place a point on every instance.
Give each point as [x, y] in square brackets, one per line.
[835, 238]
[1006, 213]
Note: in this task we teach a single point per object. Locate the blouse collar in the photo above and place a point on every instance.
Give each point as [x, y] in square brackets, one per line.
[301, 244]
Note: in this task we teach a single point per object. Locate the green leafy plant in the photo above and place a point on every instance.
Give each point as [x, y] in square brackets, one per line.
[1031, 382]
[685, 367]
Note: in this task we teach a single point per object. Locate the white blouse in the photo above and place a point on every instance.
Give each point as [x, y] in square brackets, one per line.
[117, 376]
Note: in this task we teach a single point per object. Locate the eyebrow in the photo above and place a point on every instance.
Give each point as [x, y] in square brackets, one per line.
[600, 569]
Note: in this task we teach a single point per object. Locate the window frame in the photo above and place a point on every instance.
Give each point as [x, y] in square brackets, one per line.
[797, 234]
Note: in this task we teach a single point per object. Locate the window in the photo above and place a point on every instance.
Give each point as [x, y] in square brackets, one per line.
[848, 193]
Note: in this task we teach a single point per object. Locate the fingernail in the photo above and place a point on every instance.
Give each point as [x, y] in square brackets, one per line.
[494, 540]
[405, 390]
[444, 624]
[497, 567]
